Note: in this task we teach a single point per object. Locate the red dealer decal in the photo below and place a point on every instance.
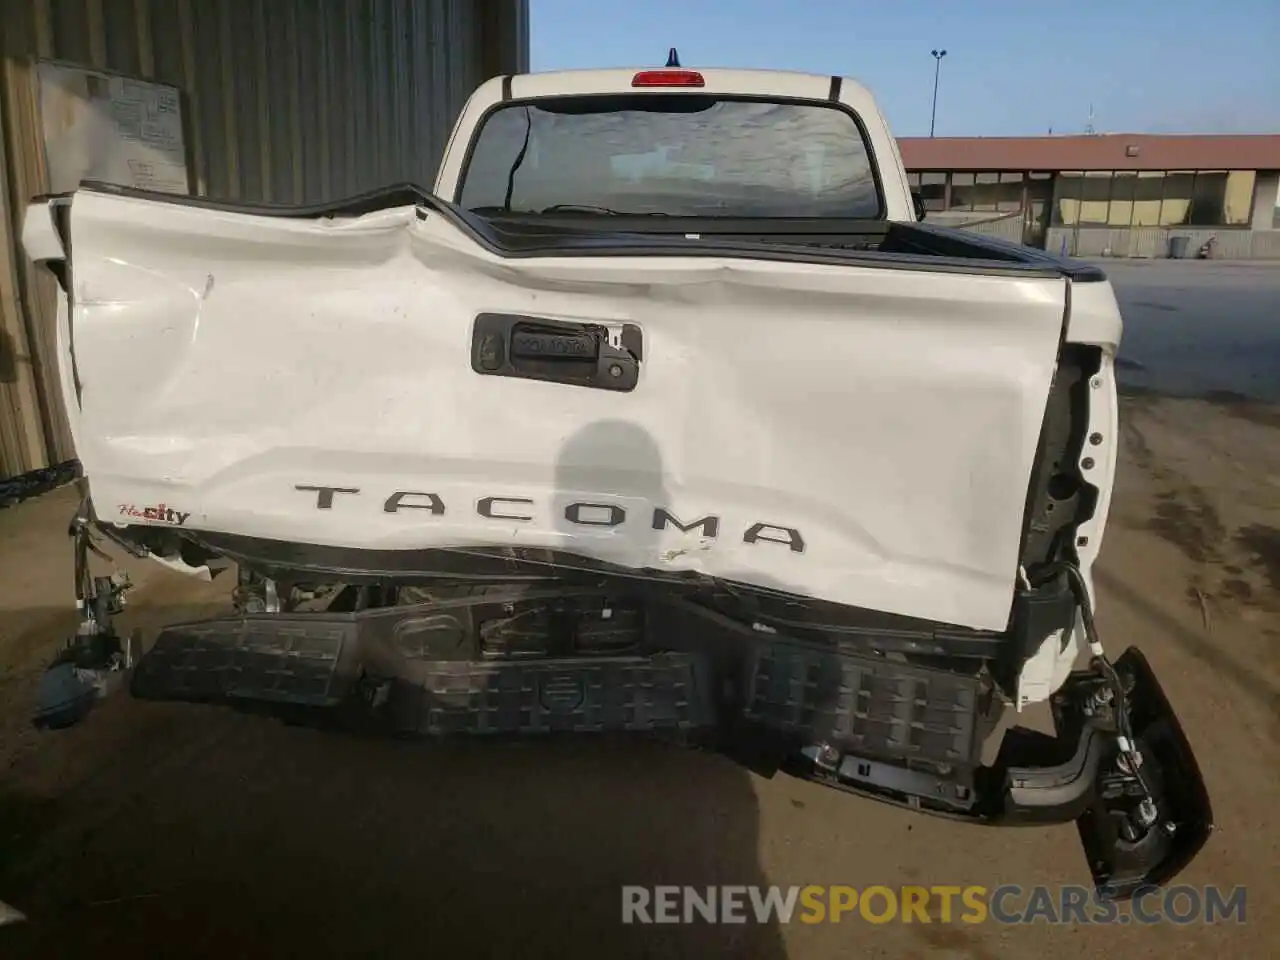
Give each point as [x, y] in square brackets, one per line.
[161, 513]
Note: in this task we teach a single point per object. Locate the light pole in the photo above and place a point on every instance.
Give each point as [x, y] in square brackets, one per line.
[937, 66]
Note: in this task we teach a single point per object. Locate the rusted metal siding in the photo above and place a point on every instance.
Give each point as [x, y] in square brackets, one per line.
[33, 431]
[22, 439]
[1003, 226]
[301, 100]
[294, 100]
[285, 100]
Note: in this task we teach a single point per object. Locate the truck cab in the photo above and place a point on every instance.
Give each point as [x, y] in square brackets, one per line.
[818, 146]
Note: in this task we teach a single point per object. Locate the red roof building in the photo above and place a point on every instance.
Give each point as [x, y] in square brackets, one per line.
[1117, 181]
[1110, 151]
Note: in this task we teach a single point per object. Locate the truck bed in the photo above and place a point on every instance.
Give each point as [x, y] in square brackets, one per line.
[883, 243]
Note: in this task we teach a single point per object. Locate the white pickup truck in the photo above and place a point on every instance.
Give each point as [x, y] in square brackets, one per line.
[661, 413]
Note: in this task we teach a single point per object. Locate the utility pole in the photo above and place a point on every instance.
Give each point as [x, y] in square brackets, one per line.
[937, 66]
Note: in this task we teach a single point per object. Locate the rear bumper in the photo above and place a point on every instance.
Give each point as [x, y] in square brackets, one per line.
[1039, 791]
[870, 726]
[891, 731]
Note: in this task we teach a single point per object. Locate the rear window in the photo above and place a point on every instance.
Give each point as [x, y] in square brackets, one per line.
[672, 154]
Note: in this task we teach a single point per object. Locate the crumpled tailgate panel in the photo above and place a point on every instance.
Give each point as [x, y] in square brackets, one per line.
[855, 432]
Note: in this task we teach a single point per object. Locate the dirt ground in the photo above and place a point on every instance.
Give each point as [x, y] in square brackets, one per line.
[186, 831]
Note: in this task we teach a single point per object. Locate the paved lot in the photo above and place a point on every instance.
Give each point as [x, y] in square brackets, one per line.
[169, 830]
[1193, 326]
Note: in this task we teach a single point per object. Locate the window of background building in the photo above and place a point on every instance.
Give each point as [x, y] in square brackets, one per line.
[1039, 195]
[986, 191]
[1178, 186]
[1122, 198]
[1122, 193]
[1039, 187]
[1219, 198]
[1009, 197]
[1095, 195]
[933, 188]
[1066, 198]
[1237, 206]
[1208, 195]
[1147, 191]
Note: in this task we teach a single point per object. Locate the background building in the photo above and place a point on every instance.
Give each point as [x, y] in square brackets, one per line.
[274, 100]
[1124, 195]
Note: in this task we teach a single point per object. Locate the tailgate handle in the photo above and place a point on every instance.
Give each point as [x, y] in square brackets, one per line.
[575, 354]
[535, 342]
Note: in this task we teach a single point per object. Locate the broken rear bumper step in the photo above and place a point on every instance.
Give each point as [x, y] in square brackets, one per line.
[377, 665]
[901, 733]
[319, 663]
[302, 661]
[911, 734]
[868, 705]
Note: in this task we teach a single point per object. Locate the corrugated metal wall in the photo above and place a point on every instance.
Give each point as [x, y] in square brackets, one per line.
[1004, 226]
[286, 100]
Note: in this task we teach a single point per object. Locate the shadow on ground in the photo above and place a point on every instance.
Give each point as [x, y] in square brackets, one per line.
[226, 836]
[199, 832]
[168, 829]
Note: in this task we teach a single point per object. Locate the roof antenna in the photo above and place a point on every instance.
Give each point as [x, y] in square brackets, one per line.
[673, 58]
[1089, 129]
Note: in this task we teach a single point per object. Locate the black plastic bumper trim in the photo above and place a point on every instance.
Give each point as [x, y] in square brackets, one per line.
[1055, 794]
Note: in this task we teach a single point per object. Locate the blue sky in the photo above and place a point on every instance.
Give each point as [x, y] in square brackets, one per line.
[1012, 68]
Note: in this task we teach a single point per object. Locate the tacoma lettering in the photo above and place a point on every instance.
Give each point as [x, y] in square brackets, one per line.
[710, 525]
[396, 502]
[484, 507]
[324, 495]
[581, 513]
[756, 533]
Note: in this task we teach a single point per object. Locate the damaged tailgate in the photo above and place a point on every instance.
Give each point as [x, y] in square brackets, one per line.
[398, 379]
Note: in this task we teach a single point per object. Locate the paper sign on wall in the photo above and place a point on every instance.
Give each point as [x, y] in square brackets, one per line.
[100, 126]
